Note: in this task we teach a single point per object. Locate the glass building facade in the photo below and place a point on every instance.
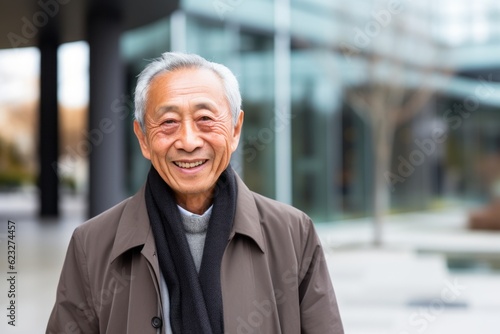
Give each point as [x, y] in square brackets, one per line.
[304, 67]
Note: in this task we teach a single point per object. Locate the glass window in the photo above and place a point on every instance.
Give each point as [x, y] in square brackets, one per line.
[211, 40]
[316, 135]
[256, 77]
[258, 13]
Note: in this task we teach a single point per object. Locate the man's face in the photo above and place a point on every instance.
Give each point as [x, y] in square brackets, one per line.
[189, 134]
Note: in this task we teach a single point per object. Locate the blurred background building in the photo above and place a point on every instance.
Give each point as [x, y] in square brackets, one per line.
[354, 111]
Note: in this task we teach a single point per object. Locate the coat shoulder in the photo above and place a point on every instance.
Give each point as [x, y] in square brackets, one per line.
[278, 210]
[104, 225]
[280, 216]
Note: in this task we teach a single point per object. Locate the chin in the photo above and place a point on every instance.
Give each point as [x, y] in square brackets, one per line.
[193, 190]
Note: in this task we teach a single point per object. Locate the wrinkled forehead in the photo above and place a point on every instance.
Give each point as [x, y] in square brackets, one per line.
[194, 85]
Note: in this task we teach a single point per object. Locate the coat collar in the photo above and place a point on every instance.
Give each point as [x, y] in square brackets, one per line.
[247, 217]
[134, 228]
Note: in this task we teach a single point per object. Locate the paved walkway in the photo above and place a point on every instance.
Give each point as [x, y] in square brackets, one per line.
[405, 287]
[40, 247]
[432, 275]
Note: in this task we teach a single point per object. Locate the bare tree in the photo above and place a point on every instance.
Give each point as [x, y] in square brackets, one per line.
[401, 67]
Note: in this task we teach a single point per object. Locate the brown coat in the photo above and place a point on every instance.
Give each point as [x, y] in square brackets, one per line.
[274, 277]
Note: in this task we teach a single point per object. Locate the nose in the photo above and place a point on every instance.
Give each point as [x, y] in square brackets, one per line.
[189, 138]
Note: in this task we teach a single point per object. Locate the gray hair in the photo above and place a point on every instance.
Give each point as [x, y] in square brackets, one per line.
[171, 61]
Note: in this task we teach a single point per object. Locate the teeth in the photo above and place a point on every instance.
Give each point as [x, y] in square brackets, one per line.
[189, 164]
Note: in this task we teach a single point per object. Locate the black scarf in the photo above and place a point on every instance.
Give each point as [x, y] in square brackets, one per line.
[195, 299]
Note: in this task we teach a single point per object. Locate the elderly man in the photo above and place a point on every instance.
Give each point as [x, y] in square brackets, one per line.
[194, 251]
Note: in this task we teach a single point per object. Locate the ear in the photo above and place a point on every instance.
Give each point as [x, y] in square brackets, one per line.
[237, 131]
[143, 140]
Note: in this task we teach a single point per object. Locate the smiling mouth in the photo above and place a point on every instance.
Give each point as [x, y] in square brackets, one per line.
[189, 164]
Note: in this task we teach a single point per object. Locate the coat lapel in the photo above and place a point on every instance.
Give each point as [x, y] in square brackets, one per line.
[247, 218]
[134, 231]
[247, 288]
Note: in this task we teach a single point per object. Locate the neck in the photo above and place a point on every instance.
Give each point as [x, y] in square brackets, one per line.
[197, 204]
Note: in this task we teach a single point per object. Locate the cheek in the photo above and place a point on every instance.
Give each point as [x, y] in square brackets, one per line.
[160, 144]
[223, 131]
[222, 141]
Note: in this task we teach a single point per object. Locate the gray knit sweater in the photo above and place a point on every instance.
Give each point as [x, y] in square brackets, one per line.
[195, 227]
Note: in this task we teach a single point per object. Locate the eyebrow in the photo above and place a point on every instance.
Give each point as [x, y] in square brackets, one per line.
[165, 109]
[205, 105]
[173, 108]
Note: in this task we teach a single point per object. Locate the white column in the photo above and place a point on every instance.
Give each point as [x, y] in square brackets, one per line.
[178, 31]
[282, 107]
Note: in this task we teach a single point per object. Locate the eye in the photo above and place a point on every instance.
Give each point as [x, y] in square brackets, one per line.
[205, 118]
[169, 122]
